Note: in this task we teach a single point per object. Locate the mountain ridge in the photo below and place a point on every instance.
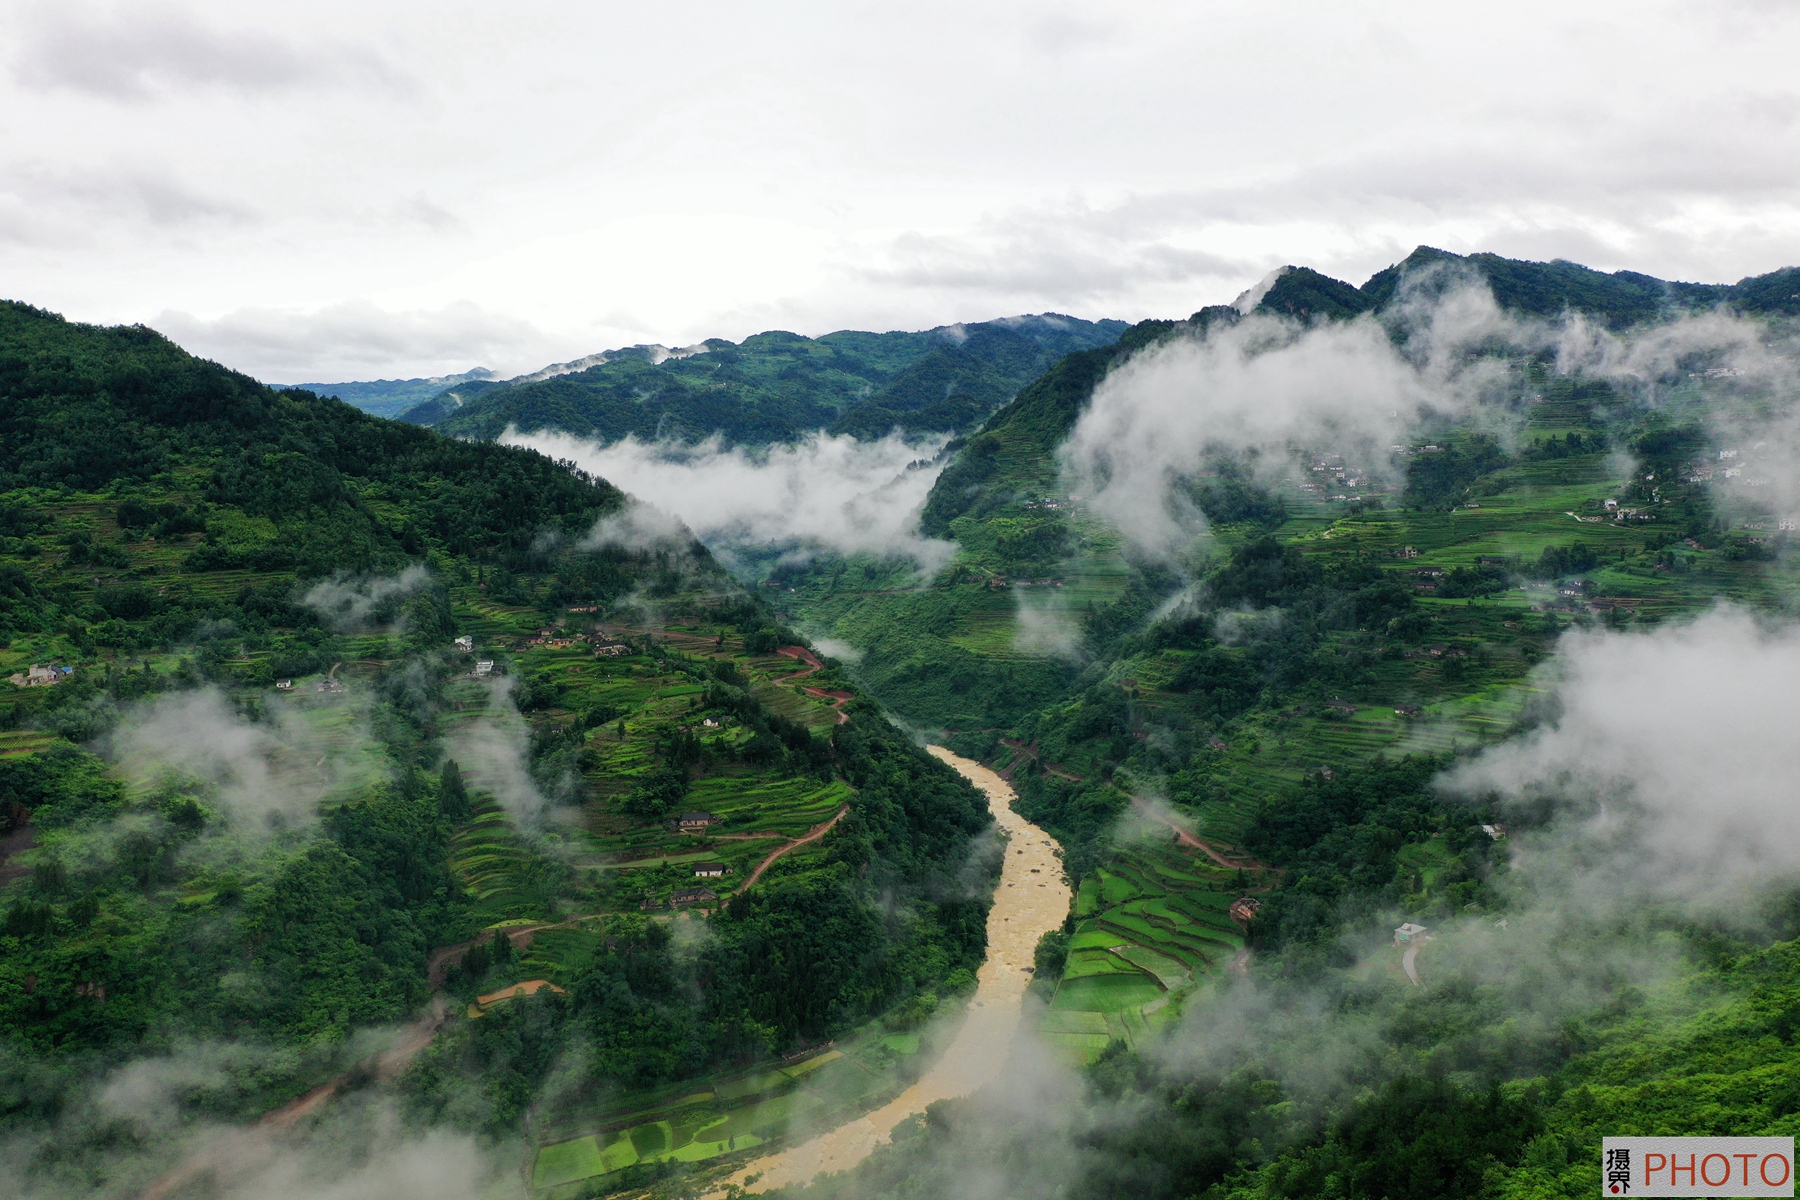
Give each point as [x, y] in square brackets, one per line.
[776, 385]
[1024, 434]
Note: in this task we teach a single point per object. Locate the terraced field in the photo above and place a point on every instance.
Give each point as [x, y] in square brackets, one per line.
[642, 699]
[709, 1119]
[1149, 925]
[505, 877]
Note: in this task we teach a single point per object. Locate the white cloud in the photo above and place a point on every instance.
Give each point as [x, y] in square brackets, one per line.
[1046, 625]
[824, 491]
[957, 164]
[350, 603]
[1263, 384]
[277, 767]
[354, 339]
[1672, 751]
[493, 751]
[836, 648]
[1266, 387]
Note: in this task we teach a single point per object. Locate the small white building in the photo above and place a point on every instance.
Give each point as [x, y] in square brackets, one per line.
[40, 676]
[1408, 932]
[465, 643]
[284, 685]
[484, 667]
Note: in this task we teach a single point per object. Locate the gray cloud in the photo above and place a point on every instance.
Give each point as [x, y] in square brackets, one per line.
[42, 202]
[1130, 163]
[134, 52]
[1067, 258]
[352, 339]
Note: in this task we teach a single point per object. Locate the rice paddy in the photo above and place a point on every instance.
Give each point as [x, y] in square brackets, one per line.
[732, 1113]
[1149, 925]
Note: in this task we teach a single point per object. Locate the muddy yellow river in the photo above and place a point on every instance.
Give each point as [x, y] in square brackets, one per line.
[1030, 900]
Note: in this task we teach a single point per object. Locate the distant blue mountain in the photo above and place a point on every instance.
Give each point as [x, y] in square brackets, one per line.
[391, 397]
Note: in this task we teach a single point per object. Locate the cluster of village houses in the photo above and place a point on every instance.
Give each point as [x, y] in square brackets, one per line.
[326, 686]
[549, 638]
[697, 823]
[1338, 475]
[552, 638]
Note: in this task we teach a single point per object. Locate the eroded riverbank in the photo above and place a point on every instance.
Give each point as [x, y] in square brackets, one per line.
[1030, 900]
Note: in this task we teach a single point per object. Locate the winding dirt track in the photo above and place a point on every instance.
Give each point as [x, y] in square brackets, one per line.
[818, 831]
[1031, 900]
[1186, 837]
[236, 1153]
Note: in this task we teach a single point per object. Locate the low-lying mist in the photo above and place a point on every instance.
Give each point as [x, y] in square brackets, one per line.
[1263, 390]
[1653, 799]
[825, 492]
[222, 793]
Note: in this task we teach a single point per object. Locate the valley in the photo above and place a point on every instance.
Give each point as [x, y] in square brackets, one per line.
[776, 866]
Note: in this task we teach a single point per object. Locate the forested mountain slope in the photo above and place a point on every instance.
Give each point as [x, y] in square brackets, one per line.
[256, 797]
[1013, 448]
[779, 386]
[1241, 743]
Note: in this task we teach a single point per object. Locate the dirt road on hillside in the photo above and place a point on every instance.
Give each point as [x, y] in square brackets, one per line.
[237, 1153]
[818, 832]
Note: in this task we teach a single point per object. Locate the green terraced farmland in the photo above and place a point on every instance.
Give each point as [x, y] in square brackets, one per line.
[739, 1112]
[1149, 925]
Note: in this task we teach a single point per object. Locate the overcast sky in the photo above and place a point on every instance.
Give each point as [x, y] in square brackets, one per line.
[332, 191]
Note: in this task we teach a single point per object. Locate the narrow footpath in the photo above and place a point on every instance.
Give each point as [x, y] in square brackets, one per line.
[1031, 900]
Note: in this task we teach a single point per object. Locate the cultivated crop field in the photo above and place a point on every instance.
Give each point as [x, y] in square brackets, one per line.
[1149, 925]
[710, 1119]
[620, 714]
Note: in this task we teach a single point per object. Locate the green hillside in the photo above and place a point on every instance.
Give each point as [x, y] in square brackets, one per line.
[1013, 451]
[681, 891]
[1237, 752]
[267, 801]
[780, 386]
